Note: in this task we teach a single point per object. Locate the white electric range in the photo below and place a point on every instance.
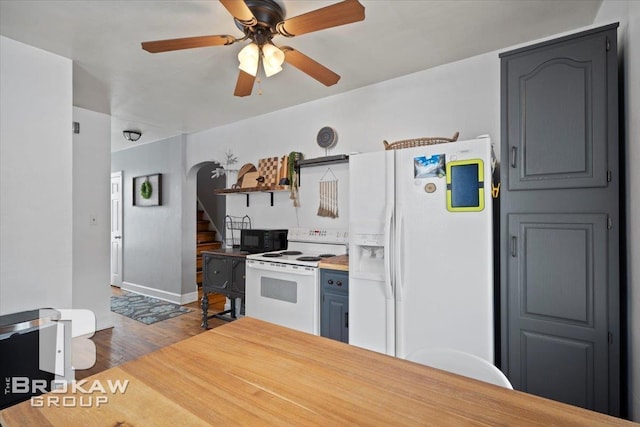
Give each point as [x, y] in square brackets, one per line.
[283, 287]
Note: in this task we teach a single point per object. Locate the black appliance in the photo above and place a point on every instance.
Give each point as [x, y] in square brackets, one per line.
[20, 340]
[255, 240]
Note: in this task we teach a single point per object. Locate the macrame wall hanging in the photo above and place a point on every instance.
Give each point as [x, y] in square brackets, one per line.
[328, 195]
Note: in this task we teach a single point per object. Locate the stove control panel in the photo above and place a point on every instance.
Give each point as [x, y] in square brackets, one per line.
[320, 235]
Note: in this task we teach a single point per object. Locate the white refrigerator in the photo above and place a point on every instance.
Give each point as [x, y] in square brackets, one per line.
[421, 249]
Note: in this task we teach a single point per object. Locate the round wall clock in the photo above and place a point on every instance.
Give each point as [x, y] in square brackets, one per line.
[327, 137]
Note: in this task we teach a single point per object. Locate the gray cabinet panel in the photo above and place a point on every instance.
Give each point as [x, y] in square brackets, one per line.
[555, 367]
[224, 274]
[557, 305]
[238, 276]
[557, 108]
[217, 273]
[334, 310]
[559, 298]
[562, 260]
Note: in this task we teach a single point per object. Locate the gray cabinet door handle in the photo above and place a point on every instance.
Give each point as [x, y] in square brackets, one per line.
[514, 242]
[514, 152]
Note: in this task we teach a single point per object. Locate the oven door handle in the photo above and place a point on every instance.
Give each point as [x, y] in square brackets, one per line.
[282, 268]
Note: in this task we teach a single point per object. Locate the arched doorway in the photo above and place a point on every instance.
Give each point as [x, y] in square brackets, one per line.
[210, 213]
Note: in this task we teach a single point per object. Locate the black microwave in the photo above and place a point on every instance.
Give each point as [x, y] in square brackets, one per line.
[257, 240]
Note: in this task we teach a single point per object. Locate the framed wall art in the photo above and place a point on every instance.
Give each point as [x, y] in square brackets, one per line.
[147, 190]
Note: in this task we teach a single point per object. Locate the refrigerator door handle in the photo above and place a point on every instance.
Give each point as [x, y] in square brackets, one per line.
[400, 257]
[387, 253]
[399, 350]
[389, 258]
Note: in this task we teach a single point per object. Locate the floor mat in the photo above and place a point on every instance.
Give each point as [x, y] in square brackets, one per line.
[145, 309]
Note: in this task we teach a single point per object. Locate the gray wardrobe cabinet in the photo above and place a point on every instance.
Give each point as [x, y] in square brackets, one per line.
[559, 220]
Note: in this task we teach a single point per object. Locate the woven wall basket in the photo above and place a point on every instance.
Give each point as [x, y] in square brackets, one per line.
[408, 143]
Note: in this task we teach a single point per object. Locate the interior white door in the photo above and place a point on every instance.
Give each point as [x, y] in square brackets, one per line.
[116, 228]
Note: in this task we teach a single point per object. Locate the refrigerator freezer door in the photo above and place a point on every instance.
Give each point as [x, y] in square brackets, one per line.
[371, 294]
[444, 285]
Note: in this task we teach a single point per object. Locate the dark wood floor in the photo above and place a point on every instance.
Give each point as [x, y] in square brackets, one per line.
[130, 339]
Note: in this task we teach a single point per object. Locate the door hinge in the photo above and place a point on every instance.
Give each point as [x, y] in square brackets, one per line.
[608, 176]
[610, 338]
[609, 223]
[608, 44]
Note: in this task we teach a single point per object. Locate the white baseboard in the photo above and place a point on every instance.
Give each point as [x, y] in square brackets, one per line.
[104, 323]
[190, 297]
[159, 294]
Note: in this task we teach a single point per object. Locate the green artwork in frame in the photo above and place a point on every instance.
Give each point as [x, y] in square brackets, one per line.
[147, 190]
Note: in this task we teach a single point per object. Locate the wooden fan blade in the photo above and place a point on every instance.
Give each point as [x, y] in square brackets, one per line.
[334, 15]
[239, 10]
[187, 43]
[307, 65]
[244, 85]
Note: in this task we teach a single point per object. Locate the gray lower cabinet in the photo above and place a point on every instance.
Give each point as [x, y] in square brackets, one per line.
[559, 220]
[222, 274]
[334, 297]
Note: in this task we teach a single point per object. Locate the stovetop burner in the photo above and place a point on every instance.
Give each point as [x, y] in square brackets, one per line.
[272, 255]
[326, 255]
[306, 248]
[309, 258]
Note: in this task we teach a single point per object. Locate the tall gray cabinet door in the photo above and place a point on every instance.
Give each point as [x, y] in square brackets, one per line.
[560, 220]
[557, 308]
[557, 117]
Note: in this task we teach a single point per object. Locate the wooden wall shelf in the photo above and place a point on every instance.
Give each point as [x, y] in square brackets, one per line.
[321, 161]
[250, 190]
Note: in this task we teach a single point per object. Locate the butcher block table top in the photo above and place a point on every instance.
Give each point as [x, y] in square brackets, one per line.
[339, 262]
[250, 372]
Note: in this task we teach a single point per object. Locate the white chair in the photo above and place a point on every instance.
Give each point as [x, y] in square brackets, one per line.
[459, 362]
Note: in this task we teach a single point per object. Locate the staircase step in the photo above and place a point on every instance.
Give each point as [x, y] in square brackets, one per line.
[199, 263]
[205, 236]
[203, 225]
[207, 247]
[217, 300]
[200, 215]
[199, 277]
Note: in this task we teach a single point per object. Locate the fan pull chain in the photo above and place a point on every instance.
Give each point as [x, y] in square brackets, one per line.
[259, 81]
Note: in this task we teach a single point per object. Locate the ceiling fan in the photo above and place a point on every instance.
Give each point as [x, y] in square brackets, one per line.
[261, 21]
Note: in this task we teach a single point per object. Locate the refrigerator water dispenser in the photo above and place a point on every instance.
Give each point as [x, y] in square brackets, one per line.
[367, 257]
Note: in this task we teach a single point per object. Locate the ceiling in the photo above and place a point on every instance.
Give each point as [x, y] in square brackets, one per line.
[167, 94]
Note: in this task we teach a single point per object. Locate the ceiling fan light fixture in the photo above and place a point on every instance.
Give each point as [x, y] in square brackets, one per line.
[272, 59]
[261, 21]
[270, 70]
[249, 57]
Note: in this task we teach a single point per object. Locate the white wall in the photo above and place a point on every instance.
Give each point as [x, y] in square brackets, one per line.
[152, 238]
[35, 178]
[462, 96]
[91, 193]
